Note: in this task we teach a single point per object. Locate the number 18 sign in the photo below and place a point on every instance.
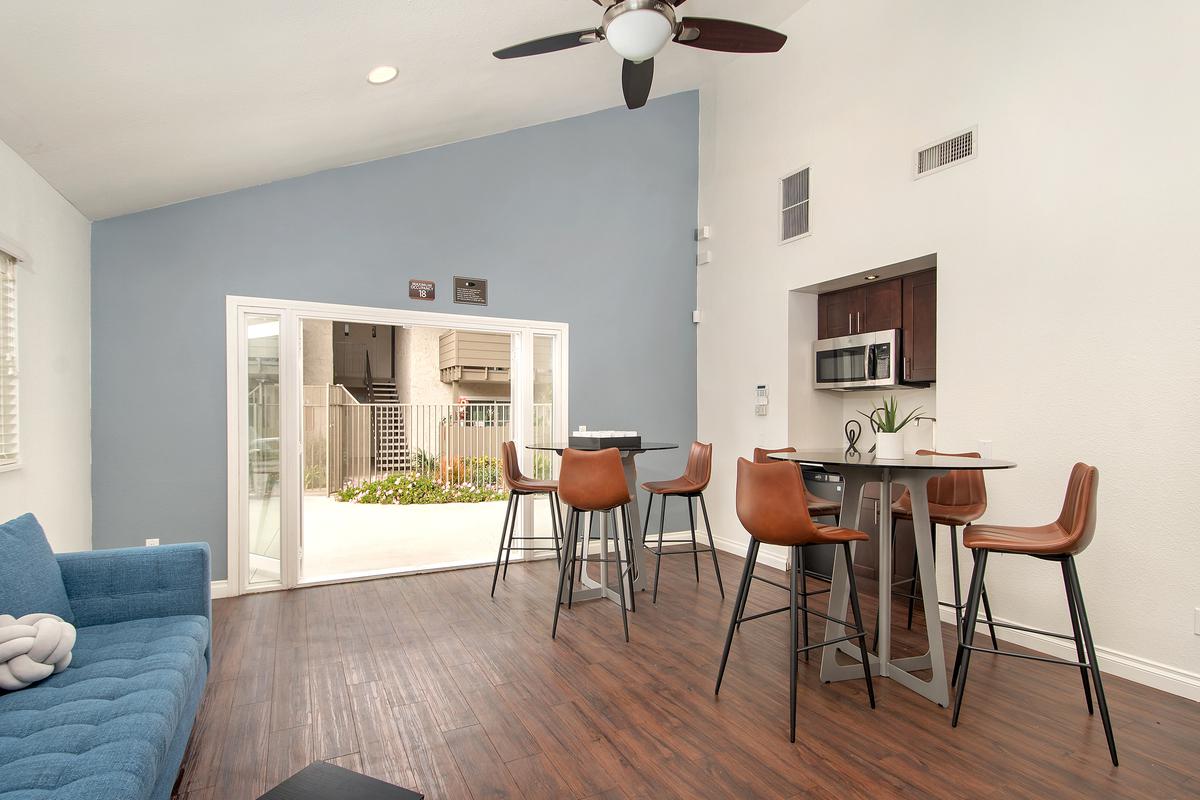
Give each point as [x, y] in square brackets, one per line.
[420, 290]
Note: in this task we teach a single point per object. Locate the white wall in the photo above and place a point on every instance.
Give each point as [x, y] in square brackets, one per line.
[54, 317]
[1067, 269]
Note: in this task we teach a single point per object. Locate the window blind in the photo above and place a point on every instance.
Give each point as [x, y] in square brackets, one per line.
[9, 440]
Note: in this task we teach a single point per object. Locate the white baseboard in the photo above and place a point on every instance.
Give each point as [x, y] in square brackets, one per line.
[1135, 668]
[1139, 670]
[768, 555]
[221, 589]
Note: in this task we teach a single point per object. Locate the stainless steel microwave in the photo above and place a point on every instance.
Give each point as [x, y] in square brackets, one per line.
[863, 361]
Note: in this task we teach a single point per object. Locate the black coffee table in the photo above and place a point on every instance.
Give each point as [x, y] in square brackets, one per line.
[321, 781]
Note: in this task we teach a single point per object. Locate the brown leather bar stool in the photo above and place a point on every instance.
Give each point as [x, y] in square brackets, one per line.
[818, 507]
[1060, 541]
[594, 481]
[956, 500]
[771, 506]
[520, 486]
[690, 485]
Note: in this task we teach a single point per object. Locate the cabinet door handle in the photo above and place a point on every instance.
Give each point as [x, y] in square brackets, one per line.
[906, 368]
[850, 321]
[860, 322]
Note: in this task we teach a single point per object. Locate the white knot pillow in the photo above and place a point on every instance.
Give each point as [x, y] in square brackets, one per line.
[33, 648]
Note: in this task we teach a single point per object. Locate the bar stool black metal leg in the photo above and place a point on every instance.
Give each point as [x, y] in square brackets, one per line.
[1079, 650]
[964, 655]
[512, 531]
[803, 596]
[958, 603]
[735, 617]
[692, 523]
[631, 572]
[552, 500]
[576, 544]
[611, 520]
[712, 546]
[503, 536]
[987, 613]
[572, 522]
[858, 622]
[627, 520]
[1090, 647]
[646, 527]
[752, 557]
[662, 524]
[916, 573]
[792, 659]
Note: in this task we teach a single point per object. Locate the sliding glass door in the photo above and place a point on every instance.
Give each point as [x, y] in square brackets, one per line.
[367, 441]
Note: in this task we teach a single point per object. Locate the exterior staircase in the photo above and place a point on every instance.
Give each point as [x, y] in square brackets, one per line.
[391, 444]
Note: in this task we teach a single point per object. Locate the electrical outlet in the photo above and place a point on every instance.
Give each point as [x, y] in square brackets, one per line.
[152, 543]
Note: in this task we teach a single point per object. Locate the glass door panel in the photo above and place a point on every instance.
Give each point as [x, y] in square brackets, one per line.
[545, 415]
[263, 487]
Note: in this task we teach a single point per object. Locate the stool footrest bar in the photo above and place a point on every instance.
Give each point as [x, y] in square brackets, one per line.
[1026, 656]
[838, 640]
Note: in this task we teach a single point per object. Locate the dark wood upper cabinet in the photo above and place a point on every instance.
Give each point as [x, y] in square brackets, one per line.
[838, 313]
[882, 309]
[919, 345]
[874, 307]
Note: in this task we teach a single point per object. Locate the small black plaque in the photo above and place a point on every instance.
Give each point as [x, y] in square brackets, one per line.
[420, 290]
[471, 291]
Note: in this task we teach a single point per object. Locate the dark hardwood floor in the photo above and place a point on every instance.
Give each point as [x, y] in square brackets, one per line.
[427, 682]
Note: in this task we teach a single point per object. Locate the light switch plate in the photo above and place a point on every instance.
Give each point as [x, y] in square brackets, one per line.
[152, 543]
[1197, 622]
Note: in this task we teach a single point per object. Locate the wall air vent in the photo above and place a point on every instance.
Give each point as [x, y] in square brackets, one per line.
[793, 205]
[936, 157]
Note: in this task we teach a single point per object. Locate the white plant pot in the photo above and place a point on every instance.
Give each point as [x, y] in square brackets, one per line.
[889, 446]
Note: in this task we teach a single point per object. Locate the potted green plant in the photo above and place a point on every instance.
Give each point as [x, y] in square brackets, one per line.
[889, 426]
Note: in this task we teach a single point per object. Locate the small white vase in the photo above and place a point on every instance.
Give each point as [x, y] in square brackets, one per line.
[889, 446]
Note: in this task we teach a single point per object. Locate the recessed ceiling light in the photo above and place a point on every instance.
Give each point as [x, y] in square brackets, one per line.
[382, 74]
[870, 277]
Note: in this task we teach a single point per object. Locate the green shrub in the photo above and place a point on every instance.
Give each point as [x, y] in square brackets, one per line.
[412, 488]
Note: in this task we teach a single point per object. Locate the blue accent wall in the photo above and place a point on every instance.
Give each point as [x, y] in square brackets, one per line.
[588, 221]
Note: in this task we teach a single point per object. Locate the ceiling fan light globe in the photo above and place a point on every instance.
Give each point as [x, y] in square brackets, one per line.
[639, 34]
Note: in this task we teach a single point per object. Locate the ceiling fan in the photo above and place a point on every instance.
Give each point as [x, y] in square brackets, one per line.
[639, 29]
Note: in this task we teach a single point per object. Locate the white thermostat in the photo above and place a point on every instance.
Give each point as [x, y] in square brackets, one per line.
[760, 400]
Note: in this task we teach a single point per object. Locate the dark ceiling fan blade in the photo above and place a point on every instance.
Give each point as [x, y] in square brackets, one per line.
[550, 44]
[727, 36]
[636, 80]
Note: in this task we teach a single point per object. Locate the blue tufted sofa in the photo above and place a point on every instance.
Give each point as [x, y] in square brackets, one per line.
[114, 724]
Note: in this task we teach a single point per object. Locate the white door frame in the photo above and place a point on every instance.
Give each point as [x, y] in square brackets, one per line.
[291, 394]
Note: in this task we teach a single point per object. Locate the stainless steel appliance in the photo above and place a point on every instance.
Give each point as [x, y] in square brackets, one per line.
[827, 486]
[862, 361]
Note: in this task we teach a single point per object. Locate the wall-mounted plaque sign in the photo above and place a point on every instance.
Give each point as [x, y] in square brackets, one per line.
[420, 290]
[472, 291]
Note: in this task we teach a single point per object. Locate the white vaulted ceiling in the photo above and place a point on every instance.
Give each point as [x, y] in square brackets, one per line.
[131, 104]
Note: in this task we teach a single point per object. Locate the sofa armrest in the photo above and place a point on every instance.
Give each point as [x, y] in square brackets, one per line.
[106, 586]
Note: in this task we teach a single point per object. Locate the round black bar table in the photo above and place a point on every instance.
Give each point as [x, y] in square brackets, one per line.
[628, 456]
[912, 472]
